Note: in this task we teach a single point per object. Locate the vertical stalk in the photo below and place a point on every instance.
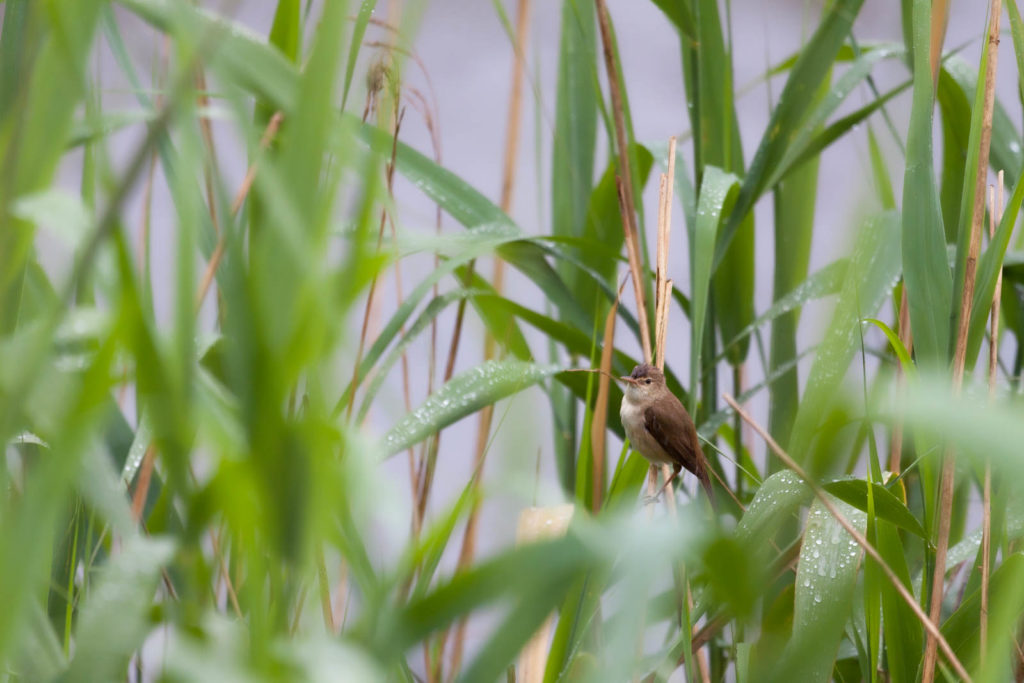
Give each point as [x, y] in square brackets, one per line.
[960, 352]
[995, 207]
[512, 129]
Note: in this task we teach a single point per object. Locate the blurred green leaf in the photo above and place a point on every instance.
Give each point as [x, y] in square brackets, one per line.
[463, 395]
[114, 618]
[536, 571]
[242, 56]
[366, 8]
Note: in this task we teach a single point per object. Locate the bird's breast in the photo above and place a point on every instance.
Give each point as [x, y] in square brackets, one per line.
[632, 416]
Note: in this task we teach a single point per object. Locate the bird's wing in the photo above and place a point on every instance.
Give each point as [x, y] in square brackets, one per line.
[678, 438]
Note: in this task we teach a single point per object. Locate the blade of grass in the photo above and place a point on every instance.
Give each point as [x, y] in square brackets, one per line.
[366, 8]
[870, 276]
[925, 269]
[825, 580]
[717, 195]
[466, 393]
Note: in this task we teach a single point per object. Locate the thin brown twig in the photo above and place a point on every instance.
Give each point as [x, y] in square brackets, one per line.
[206, 132]
[243, 191]
[389, 175]
[624, 177]
[858, 537]
[142, 486]
[960, 351]
[215, 537]
[907, 338]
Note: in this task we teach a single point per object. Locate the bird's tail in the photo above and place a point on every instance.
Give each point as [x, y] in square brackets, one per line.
[701, 470]
[705, 481]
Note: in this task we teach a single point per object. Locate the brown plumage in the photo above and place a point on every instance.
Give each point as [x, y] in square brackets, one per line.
[658, 426]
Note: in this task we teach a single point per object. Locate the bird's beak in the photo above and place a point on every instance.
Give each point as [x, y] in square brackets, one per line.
[628, 379]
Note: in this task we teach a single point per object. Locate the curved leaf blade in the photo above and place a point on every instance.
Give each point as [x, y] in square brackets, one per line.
[463, 395]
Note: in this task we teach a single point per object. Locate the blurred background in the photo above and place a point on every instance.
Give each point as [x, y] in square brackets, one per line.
[457, 58]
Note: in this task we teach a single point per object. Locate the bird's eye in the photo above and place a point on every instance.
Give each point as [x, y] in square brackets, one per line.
[648, 381]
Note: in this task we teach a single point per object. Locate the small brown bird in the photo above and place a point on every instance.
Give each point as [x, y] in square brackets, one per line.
[658, 426]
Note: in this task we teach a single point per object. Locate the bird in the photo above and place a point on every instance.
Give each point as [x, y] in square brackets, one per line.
[658, 426]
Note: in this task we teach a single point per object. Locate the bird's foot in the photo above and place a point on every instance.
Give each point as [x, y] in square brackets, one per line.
[651, 500]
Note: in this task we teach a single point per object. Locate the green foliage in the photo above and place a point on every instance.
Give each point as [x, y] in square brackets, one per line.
[197, 484]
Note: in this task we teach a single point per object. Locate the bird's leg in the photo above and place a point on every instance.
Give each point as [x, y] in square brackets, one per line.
[675, 473]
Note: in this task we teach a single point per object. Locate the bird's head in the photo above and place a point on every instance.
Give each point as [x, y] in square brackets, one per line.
[643, 383]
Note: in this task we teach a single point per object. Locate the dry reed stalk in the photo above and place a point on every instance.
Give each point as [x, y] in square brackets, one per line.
[142, 487]
[390, 176]
[225, 575]
[907, 338]
[960, 351]
[511, 159]
[669, 186]
[858, 537]
[599, 423]
[624, 177]
[666, 296]
[389, 172]
[661, 320]
[663, 286]
[428, 109]
[995, 209]
[206, 133]
[940, 21]
[425, 476]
